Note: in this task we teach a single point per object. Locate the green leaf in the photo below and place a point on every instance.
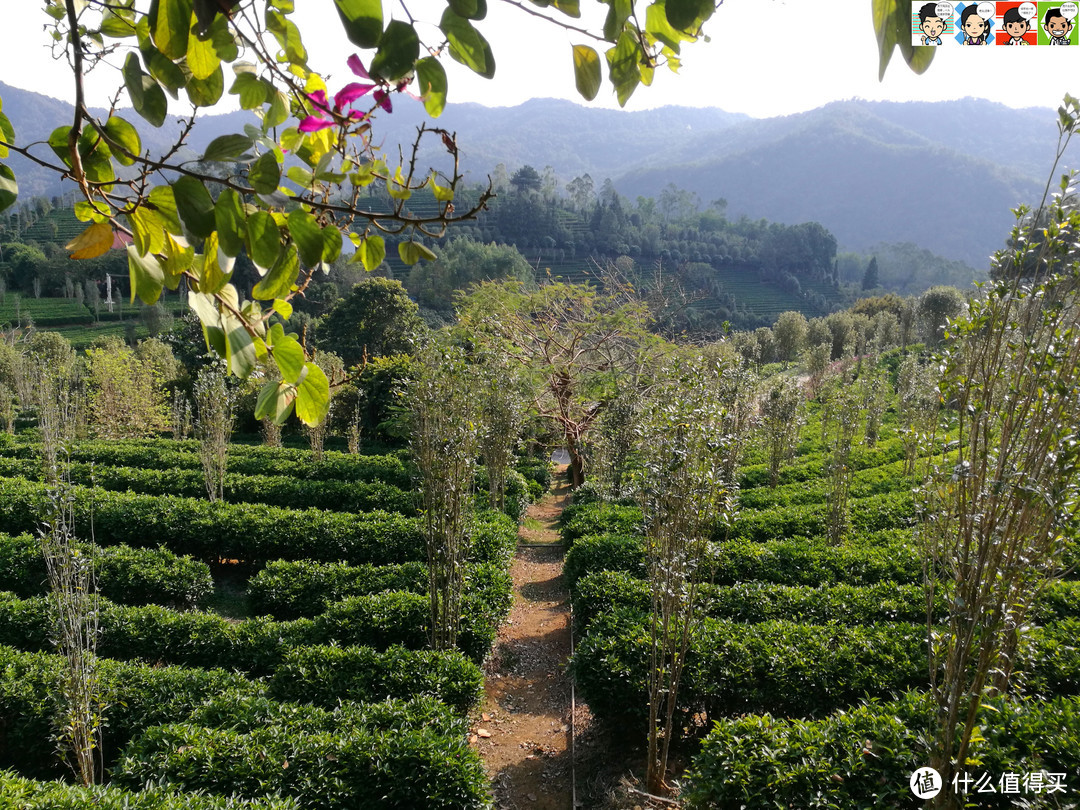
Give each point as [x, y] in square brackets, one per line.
[9, 189]
[371, 252]
[470, 9]
[615, 22]
[892, 25]
[265, 174]
[684, 14]
[399, 48]
[587, 71]
[214, 277]
[467, 45]
[202, 59]
[288, 36]
[163, 69]
[363, 21]
[169, 24]
[178, 258]
[264, 241]
[146, 276]
[58, 141]
[125, 136]
[656, 24]
[288, 355]
[283, 308]
[89, 212]
[195, 206]
[277, 113]
[623, 67]
[240, 354]
[206, 92]
[280, 278]
[206, 308]
[7, 134]
[275, 402]
[147, 230]
[431, 81]
[118, 23]
[412, 252]
[252, 90]
[231, 222]
[147, 97]
[227, 147]
[312, 396]
[571, 8]
[163, 202]
[332, 242]
[308, 237]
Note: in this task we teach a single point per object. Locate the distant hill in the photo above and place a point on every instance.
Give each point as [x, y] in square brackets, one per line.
[941, 175]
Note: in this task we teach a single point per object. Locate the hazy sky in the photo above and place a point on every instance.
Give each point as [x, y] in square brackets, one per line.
[766, 57]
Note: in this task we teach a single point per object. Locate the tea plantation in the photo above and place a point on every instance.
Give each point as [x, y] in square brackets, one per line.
[805, 680]
[250, 655]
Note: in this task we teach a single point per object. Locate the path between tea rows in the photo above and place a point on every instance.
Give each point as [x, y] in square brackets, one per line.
[524, 728]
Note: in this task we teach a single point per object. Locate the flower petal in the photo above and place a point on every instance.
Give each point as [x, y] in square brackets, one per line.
[318, 99]
[357, 67]
[350, 93]
[314, 123]
[382, 98]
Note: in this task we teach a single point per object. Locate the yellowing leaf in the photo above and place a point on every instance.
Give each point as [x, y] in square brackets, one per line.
[95, 241]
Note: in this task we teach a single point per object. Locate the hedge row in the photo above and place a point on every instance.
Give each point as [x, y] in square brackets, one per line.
[327, 675]
[130, 576]
[256, 646]
[276, 490]
[862, 757]
[884, 557]
[787, 667]
[250, 533]
[137, 696]
[26, 794]
[389, 754]
[864, 483]
[874, 513]
[167, 454]
[291, 589]
[813, 467]
[348, 768]
[609, 591]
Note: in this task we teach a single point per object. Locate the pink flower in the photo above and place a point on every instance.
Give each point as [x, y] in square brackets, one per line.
[325, 117]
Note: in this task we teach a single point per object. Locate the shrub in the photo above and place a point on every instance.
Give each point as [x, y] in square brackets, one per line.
[126, 575]
[324, 771]
[861, 757]
[26, 794]
[883, 557]
[600, 518]
[251, 533]
[786, 667]
[290, 589]
[611, 591]
[137, 696]
[326, 675]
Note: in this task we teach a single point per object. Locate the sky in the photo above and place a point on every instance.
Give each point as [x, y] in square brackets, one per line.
[765, 58]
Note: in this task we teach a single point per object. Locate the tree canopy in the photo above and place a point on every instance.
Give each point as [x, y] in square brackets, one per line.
[376, 318]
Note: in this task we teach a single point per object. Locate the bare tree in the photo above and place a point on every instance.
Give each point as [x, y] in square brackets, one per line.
[996, 511]
[214, 400]
[441, 399]
[684, 495]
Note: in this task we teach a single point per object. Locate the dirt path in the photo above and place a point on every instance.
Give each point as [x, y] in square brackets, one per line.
[524, 729]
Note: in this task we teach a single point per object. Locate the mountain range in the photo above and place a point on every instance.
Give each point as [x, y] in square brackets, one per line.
[942, 175]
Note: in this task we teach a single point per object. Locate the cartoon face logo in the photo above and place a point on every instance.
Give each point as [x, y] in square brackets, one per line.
[1055, 25]
[974, 26]
[1015, 25]
[932, 27]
